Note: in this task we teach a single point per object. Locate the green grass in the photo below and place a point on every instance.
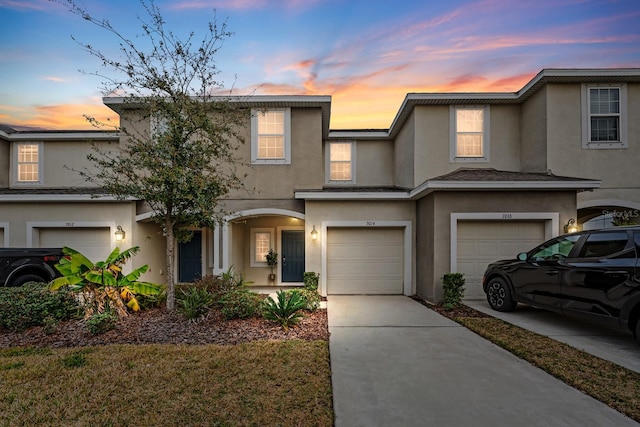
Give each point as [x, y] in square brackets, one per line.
[283, 383]
[605, 381]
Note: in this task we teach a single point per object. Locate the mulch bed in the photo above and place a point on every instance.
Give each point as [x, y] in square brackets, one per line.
[462, 311]
[157, 326]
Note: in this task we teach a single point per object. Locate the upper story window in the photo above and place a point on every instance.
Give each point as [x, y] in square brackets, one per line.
[469, 134]
[341, 162]
[271, 136]
[604, 116]
[159, 125]
[28, 163]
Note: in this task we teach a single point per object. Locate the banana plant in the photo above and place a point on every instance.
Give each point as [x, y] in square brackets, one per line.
[103, 286]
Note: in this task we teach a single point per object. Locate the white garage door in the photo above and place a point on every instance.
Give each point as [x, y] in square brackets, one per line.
[94, 243]
[365, 260]
[483, 242]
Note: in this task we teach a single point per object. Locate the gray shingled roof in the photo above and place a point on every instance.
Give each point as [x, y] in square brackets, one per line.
[488, 174]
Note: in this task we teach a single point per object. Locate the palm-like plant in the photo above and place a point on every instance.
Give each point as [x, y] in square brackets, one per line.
[102, 285]
[286, 310]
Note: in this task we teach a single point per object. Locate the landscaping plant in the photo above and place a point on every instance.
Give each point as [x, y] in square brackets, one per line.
[286, 309]
[240, 303]
[453, 286]
[32, 304]
[311, 280]
[194, 302]
[99, 323]
[102, 285]
[311, 298]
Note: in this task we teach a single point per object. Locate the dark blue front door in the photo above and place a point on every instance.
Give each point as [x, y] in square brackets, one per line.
[292, 256]
[190, 258]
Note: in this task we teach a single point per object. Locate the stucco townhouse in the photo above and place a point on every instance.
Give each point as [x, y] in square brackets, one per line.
[457, 181]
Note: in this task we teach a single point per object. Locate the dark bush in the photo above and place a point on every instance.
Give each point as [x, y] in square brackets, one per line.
[453, 287]
[241, 303]
[33, 304]
[99, 323]
[194, 302]
[311, 298]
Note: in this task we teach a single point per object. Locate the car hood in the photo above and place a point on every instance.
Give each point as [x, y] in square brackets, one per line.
[504, 263]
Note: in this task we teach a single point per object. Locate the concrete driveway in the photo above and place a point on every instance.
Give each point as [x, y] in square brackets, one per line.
[394, 362]
[617, 346]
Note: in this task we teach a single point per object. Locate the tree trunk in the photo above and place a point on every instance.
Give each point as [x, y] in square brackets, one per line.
[171, 286]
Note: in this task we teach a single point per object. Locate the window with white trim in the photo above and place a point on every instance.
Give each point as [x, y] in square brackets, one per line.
[261, 243]
[28, 163]
[271, 136]
[341, 162]
[159, 125]
[469, 134]
[604, 116]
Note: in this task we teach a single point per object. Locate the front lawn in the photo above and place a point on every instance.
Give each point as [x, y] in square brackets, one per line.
[266, 383]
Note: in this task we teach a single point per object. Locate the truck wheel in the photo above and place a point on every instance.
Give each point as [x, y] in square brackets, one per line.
[637, 334]
[21, 280]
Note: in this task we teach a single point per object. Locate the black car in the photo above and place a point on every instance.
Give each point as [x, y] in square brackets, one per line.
[594, 274]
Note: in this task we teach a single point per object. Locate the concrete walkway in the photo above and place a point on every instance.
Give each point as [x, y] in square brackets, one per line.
[394, 362]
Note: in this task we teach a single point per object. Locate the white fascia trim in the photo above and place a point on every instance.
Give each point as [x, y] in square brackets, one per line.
[59, 198]
[490, 185]
[249, 99]
[408, 248]
[311, 195]
[552, 225]
[449, 185]
[63, 136]
[144, 216]
[503, 185]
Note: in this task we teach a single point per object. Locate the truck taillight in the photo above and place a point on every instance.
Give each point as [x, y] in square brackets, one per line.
[50, 258]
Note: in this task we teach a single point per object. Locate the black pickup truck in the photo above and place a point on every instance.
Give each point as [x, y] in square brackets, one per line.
[22, 265]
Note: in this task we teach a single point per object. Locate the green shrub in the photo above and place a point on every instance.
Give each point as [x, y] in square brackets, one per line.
[219, 286]
[99, 323]
[311, 298]
[311, 280]
[194, 302]
[453, 286]
[153, 301]
[286, 310]
[240, 303]
[33, 304]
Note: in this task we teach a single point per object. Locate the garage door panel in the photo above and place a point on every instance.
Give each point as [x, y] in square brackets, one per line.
[365, 261]
[483, 242]
[92, 242]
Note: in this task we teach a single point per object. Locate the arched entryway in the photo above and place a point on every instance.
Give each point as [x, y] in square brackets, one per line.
[607, 214]
[248, 235]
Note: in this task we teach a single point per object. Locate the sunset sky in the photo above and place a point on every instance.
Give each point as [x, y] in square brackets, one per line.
[366, 54]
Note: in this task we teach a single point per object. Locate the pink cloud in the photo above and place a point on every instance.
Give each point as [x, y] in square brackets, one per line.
[63, 116]
[54, 79]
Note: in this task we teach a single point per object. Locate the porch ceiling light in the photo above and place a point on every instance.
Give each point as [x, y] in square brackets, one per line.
[314, 233]
[570, 226]
[119, 234]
